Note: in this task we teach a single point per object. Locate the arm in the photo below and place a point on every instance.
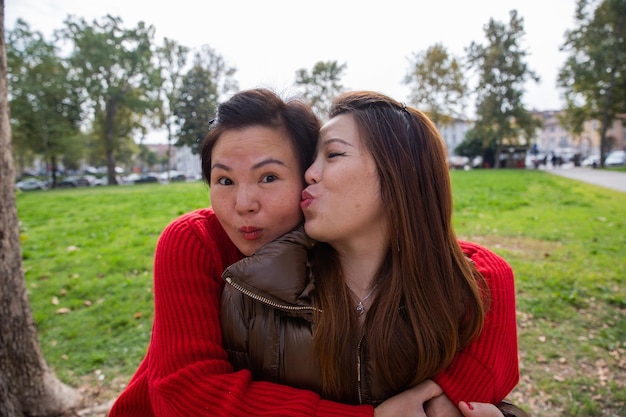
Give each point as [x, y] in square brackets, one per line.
[487, 369]
[416, 401]
[186, 371]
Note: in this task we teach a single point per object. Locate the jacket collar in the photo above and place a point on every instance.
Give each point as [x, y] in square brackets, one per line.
[278, 271]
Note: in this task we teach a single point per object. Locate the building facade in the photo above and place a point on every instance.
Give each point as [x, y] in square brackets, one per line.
[454, 133]
[553, 137]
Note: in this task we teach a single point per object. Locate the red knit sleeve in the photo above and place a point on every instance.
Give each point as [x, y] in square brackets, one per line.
[487, 369]
[186, 371]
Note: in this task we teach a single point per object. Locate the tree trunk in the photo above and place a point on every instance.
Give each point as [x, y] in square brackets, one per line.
[27, 386]
[111, 110]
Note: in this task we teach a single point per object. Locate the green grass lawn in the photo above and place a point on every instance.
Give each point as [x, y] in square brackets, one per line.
[88, 265]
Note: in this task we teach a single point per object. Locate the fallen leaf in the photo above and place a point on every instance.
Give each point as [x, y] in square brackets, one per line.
[63, 310]
[55, 300]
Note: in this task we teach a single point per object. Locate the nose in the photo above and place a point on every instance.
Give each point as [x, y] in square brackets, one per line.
[246, 201]
[312, 174]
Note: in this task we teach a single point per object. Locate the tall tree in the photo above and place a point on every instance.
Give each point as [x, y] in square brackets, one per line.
[321, 85]
[502, 70]
[45, 104]
[594, 76]
[172, 59]
[202, 87]
[27, 386]
[116, 69]
[437, 84]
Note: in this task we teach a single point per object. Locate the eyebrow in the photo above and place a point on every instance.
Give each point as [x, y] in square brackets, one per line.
[331, 140]
[261, 164]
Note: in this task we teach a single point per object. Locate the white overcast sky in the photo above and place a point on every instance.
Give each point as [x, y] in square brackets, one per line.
[268, 40]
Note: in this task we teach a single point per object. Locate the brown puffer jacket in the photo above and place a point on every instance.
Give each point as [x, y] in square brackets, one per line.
[266, 315]
[267, 320]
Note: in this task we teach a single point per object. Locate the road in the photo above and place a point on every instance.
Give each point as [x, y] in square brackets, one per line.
[605, 178]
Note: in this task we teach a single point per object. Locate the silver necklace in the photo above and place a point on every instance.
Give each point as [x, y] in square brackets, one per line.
[360, 308]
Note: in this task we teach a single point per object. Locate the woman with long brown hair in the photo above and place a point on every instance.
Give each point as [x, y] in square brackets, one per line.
[394, 237]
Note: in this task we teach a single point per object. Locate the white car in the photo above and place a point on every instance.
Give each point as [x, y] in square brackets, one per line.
[31, 184]
[591, 160]
[615, 159]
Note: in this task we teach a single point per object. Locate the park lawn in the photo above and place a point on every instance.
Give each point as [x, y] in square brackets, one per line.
[88, 266]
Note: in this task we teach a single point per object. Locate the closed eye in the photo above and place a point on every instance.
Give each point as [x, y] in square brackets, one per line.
[335, 154]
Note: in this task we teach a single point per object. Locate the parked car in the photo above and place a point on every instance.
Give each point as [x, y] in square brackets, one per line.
[591, 161]
[31, 184]
[101, 181]
[615, 158]
[146, 178]
[458, 162]
[77, 181]
[130, 178]
[173, 176]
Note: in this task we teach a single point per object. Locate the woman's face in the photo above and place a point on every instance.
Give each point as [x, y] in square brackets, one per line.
[342, 204]
[256, 186]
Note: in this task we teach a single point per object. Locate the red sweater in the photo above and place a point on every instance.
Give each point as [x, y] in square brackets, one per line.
[487, 369]
[186, 370]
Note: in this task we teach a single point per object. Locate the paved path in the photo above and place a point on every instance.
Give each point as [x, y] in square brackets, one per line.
[610, 179]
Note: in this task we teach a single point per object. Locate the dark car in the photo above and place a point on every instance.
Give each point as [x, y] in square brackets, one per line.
[77, 181]
[147, 178]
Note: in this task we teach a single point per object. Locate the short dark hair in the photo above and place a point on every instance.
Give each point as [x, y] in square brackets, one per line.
[263, 107]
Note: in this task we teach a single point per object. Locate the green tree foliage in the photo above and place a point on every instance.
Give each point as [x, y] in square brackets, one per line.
[594, 75]
[172, 58]
[202, 86]
[502, 119]
[125, 124]
[115, 67]
[476, 143]
[45, 106]
[321, 85]
[437, 84]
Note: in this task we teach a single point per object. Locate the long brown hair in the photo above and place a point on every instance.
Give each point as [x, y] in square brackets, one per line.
[430, 301]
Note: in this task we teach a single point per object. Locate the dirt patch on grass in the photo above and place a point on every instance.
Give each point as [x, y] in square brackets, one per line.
[98, 395]
[520, 246]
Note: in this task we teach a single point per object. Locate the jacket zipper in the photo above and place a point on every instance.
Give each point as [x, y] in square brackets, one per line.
[358, 370]
[266, 300]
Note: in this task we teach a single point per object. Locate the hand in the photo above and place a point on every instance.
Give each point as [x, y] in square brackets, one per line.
[411, 402]
[441, 406]
[479, 410]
